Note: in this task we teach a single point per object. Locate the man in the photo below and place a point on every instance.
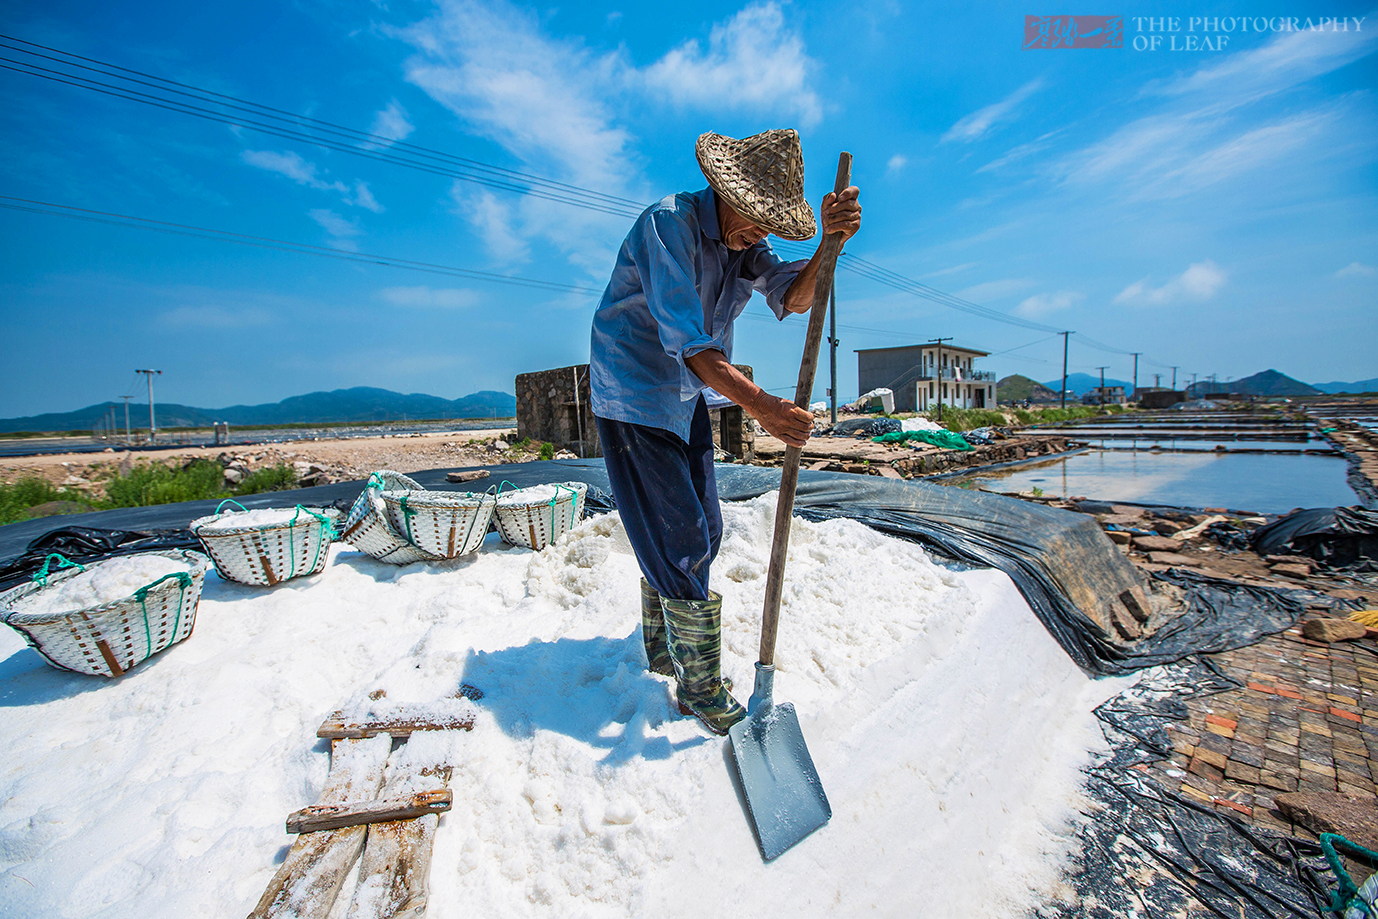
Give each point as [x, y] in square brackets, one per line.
[661, 335]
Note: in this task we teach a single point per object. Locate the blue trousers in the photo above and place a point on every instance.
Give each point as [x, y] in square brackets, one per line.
[667, 497]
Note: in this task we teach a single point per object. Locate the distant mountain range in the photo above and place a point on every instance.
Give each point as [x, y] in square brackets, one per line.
[1356, 387]
[358, 404]
[1267, 383]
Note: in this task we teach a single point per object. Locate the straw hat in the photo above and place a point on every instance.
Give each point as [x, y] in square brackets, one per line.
[761, 177]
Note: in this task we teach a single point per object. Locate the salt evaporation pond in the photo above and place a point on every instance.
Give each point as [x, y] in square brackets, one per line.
[947, 725]
[1262, 483]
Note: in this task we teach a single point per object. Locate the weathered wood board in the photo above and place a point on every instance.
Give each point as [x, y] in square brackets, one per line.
[394, 875]
[309, 880]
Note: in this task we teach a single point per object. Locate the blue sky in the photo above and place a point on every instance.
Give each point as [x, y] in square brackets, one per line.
[1212, 209]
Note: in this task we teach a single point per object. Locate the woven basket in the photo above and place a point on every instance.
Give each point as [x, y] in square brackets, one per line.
[264, 555]
[368, 529]
[539, 522]
[110, 639]
[446, 523]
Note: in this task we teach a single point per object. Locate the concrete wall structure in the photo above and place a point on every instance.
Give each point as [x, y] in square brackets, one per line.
[553, 405]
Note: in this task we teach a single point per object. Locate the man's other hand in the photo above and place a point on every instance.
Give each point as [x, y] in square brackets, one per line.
[842, 213]
[783, 419]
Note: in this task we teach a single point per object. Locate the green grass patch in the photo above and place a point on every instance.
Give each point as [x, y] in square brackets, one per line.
[17, 497]
[1071, 413]
[198, 480]
[965, 419]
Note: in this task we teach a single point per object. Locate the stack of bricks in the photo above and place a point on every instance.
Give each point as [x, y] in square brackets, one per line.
[1306, 720]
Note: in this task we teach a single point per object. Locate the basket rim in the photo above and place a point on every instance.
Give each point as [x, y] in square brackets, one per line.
[580, 489]
[195, 526]
[426, 498]
[13, 618]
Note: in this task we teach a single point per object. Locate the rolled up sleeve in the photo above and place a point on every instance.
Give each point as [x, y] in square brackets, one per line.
[773, 276]
[666, 263]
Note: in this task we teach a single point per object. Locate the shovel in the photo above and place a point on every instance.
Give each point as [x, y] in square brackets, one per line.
[784, 796]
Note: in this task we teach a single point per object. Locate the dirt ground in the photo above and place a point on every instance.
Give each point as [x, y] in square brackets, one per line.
[338, 460]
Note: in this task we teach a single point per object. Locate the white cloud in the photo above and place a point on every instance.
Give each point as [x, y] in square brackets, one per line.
[364, 198]
[754, 62]
[1043, 304]
[896, 163]
[291, 165]
[979, 123]
[1285, 61]
[342, 231]
[492, 217]
[544, 100]
[215, 317]
[1199, 282]
[1023, 151]
[429, 297]
[391, 122]
[994, 290]
[955, 269]
[1201, 137]
[304, 172]
[1356, 270]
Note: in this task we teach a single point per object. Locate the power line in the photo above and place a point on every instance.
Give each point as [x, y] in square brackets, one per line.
[282, 245]
[275, 122]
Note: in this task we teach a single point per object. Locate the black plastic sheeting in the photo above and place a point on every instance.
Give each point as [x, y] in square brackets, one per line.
[1150, 854]
[1067, 570]
[1343, 538]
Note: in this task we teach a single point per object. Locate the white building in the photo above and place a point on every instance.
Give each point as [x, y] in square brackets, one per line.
[922, 375]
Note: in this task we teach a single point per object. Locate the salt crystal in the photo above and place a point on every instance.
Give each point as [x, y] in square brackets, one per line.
[263, 517]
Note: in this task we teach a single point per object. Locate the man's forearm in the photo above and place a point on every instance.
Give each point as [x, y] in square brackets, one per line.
[799, 295]
[714, 369]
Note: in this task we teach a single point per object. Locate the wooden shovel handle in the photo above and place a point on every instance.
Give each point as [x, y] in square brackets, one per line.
[789, 475]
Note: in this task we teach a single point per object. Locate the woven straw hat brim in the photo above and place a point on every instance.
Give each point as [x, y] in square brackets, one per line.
[762, 178]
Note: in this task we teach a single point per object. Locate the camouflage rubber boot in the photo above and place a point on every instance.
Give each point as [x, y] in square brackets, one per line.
[693, 630]
[653, 632]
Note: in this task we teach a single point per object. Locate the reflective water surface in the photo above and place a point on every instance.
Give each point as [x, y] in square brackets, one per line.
[1269, 484]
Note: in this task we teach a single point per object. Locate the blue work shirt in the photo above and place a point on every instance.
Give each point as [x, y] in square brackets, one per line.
[675, 291]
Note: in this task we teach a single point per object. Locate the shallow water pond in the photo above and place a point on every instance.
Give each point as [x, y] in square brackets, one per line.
[1270, 484]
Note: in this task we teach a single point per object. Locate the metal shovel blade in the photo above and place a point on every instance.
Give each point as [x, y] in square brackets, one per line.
[783, 792]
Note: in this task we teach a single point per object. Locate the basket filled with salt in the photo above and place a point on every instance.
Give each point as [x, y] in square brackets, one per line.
[106, 617]
[446, 524]
[368, 529]
[267, 546]
[537, 516]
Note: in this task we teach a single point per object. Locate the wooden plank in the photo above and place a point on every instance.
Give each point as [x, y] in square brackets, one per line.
[398, 725]
[309, 879]
[466, 475]
[394, 875]
[319, 817]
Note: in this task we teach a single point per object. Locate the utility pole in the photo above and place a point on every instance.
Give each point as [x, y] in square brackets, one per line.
[127, 438]
[1157, 378]
[1174, 379]
[1102, 385]
[939, 343]
[1065, 335]
[1136, 371]
[152, 425]
[832, 349]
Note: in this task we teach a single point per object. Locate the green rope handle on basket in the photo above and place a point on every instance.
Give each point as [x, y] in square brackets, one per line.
[41, 579]
[574, 499]
[142, 596]
[407, 515]
[327, 536]
[1347, 895]
[230, 501]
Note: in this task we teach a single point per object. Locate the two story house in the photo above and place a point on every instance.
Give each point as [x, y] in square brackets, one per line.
[921, 376]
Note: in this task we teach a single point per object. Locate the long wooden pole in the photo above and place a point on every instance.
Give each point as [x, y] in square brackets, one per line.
[789, 476]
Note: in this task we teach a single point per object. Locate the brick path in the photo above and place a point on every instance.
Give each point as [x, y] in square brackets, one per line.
[1307, 720]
